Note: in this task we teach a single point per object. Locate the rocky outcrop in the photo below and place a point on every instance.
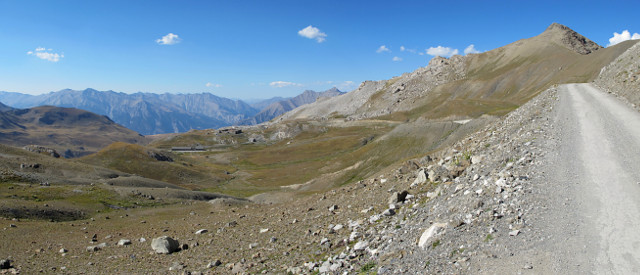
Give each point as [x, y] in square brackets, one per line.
[42, 150]
[622, 76]
[571, 39]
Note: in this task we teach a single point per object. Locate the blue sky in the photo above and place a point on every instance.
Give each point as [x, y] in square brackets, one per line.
[261, 49]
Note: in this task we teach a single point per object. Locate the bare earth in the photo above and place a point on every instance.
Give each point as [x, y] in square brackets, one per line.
[599, 161]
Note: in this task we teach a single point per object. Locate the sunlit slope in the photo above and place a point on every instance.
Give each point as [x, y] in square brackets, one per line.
[356, 135]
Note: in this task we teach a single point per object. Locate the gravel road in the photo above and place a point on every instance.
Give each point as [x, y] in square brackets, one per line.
[595, 226]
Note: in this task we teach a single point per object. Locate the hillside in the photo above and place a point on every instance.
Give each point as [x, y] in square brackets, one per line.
[622, 76]
[72, 132]
[278, 108]
[493, 82]
[343, 139]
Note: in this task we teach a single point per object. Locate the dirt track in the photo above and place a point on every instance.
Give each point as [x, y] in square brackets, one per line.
[598, 168]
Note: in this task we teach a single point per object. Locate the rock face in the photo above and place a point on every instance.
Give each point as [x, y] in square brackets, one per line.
[571, 39]
[164, 245]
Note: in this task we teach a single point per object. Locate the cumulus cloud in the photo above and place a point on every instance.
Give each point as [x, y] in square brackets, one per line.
[382, 49]
[312, 32]
[397, 59]
[621, 37]
[471, 49]
[169, 39]
[442, 51]
[209, 84]
[45, 54]
[282, 84]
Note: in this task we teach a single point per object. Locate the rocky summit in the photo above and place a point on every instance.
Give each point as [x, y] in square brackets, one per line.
[519, 160]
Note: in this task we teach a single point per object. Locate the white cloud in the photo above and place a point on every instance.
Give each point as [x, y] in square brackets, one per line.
[395, 58]
[209, 84]
[281, 84]
[169, 39]
[442, 51]
[382, 49]
[405, 49]
[471, 49]
[312, 32]
[346, 85]
[45, 54]
[621, 37]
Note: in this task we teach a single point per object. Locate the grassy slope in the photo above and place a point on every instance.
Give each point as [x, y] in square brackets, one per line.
[65, 128]
[135, 159]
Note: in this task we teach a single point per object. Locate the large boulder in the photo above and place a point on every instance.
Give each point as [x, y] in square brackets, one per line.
[164, 245]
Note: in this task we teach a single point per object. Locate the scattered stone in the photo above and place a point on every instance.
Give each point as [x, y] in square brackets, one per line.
[201, 231]
[264, 230]
[432, 231]
[324, 241]
[528, 267]
[333, 208]
[514, 233]
[214, 264]
[476, 159]
[337, 227]
[5, 264]
[389, 212]
[164, 245]
[354, 235]
[398, 197]
[420, 179]
[142, 240]
[176, 266]
[123, 242]
[93, 248]
[63, 250]
[360, 246]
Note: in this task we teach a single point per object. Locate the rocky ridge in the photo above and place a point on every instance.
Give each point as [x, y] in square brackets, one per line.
[571, 39]
[397, 94]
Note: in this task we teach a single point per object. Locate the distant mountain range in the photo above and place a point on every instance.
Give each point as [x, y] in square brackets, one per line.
[149, 113]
